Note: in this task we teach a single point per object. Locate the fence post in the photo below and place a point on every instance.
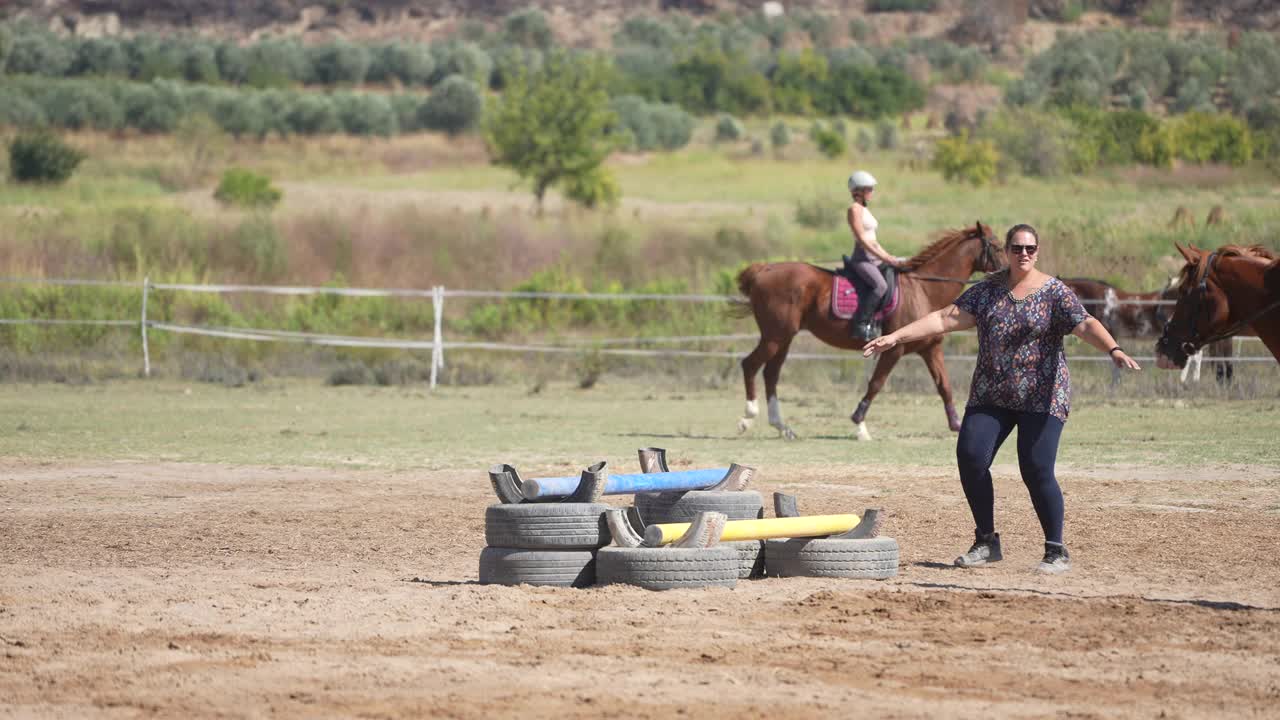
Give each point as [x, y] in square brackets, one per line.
[146, 351]
[437, 340]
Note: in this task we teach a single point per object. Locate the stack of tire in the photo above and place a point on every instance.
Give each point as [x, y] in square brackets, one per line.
[543, 543]
[869, 558]
[667, 568]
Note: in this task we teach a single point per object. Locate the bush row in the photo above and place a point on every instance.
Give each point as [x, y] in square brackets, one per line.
[1139, 69]
[734, 65]
[1078, 140]
[157, 107]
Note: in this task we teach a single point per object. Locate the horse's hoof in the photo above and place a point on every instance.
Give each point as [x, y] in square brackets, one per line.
[744, 424]
[862, 432]
[787, 433]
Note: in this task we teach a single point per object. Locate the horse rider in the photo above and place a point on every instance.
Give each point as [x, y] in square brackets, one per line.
[868, 255]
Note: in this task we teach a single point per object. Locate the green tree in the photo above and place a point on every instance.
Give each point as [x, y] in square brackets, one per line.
[552, 127]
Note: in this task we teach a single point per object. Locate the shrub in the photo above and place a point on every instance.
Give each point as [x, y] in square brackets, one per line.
[338, 63]
[728, 129]
[6, 47]
[797, 80]
[151, 57]
[1201, 137]
[709, 79]
[200, 63]
[859, 30]
[779, 135]
[963, 160]
[869, 92]
[864, 142]
[647, 31]
[1039, 143]
[244, 188]
[652, 126]
[887, 137]
[233, 63]
[38, 52]
[239, 113]
[407, 108]
[511, 60]
[100, 56]
[674, 126]
[820, 210]
[147, 110]
[78, 105]
[313, 114]
[411, 64]
[42, 157]
[1158, 13]
[277, 62]
[528, 28]
[259, 248]
[363, 114]
[454, 106]
[901, 5]
[830, 143]
[461, 58]
[18, 110]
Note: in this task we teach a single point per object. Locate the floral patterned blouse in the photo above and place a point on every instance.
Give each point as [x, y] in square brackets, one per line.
[1021, 364]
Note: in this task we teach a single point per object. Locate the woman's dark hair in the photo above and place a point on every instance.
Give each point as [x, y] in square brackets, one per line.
[1021, 227]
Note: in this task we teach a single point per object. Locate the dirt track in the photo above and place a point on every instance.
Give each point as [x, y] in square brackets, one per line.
[133, 590]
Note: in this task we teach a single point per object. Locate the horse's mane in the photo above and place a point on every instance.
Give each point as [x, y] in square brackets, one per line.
[1190, 273]
[944, 243]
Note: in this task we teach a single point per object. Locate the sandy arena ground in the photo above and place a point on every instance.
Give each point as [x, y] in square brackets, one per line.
[131, 590]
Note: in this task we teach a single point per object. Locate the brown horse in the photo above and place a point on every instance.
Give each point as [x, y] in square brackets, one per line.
[1219, 295]
[793, 296]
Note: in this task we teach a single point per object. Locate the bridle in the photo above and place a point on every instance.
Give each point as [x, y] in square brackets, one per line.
[987, 260]
[1195, 299]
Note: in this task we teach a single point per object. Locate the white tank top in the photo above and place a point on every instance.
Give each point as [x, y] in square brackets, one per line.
[869, 225]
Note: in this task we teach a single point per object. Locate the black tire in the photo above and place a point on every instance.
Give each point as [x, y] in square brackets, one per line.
[750, 557]
[547, 526]
[656, 508]
[557, 568]
[874, 558]
[668, 568]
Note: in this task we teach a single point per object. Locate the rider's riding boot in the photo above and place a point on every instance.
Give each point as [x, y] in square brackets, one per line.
[863, 326]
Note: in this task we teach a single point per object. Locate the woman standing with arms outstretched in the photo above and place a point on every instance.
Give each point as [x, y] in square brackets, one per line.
[1021, 380]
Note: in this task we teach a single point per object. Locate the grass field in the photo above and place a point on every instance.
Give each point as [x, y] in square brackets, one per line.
[562, 427]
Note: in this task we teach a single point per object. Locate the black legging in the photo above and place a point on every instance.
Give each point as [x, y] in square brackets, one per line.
[983, 431]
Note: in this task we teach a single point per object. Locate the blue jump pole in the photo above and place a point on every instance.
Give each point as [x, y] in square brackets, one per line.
[679, 481]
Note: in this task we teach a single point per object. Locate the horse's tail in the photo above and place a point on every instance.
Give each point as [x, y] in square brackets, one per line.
[747, 278]
[741, 307]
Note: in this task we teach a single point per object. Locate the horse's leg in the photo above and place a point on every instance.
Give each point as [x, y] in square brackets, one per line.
[884, 366]
[938, 369]
[751, 365]
[773, 371]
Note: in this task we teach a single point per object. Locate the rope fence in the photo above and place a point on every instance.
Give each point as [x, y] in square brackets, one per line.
[437, 345]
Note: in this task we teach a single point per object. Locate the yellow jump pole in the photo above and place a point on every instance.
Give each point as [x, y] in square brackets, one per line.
[789, 527]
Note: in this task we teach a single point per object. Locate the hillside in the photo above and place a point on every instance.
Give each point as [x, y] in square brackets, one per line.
[579, 22]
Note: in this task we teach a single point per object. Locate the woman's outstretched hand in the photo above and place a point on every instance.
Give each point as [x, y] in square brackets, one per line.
[1122, 360]
[879, 345]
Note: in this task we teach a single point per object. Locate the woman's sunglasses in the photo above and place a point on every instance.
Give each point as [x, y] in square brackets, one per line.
[1023, 249]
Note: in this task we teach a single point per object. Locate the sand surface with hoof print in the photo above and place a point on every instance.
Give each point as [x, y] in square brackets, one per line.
[131, 589]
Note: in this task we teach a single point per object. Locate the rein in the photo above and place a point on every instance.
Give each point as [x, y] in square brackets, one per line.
[1202, 288]
[986, 259]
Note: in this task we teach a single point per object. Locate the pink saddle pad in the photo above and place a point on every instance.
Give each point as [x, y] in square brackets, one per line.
[844, 300]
